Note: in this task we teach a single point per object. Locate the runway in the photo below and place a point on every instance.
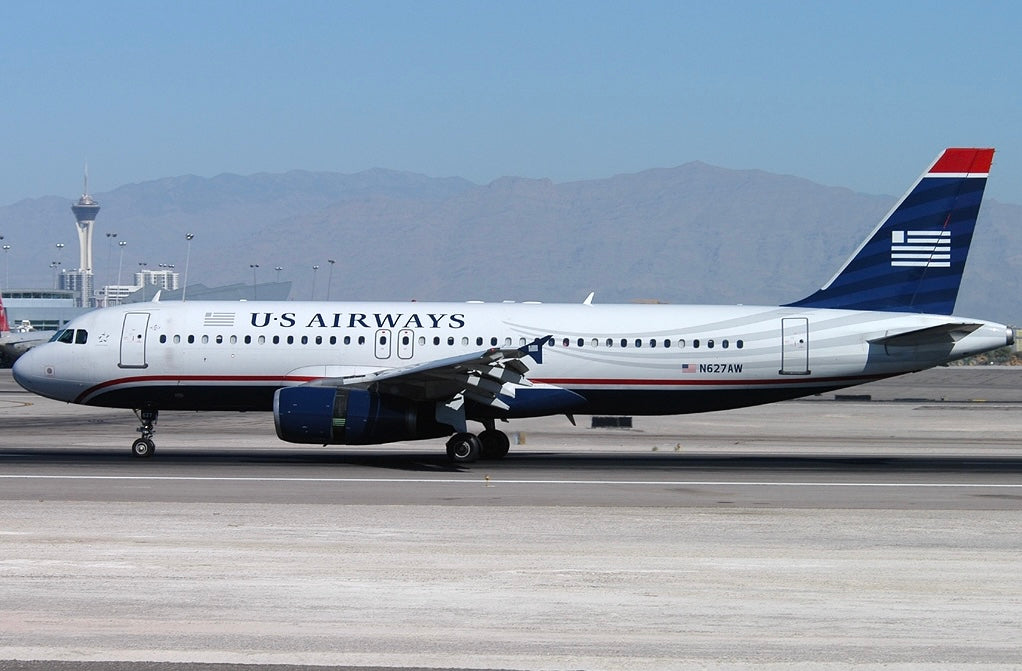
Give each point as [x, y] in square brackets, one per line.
[802, 534]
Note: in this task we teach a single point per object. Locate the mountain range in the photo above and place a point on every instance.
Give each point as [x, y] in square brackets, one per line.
[695, 233]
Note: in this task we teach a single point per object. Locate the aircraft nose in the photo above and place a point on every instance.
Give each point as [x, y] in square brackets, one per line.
[33, 373]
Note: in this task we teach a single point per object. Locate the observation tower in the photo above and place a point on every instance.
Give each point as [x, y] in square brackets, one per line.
[85, 211]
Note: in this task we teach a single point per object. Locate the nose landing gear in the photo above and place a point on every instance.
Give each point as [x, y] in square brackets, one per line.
[144, 447]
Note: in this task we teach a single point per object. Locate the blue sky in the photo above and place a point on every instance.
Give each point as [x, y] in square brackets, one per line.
[856, 94]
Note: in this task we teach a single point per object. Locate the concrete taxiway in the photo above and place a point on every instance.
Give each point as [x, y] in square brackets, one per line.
[808, 534]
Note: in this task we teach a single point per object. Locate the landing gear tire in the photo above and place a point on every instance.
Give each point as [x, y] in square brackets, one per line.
[463, 448]
[143, 448]
[495, 444]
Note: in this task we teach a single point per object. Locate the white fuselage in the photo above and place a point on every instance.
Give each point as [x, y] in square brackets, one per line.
[623, 359]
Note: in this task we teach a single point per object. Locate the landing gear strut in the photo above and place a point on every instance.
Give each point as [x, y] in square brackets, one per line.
[144, 447]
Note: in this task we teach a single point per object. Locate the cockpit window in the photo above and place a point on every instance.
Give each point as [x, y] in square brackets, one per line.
[67, 335]
[81, 335]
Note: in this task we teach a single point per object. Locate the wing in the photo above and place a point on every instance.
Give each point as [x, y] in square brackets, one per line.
[481, 377]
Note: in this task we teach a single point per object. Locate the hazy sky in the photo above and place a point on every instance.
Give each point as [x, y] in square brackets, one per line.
[856, 94]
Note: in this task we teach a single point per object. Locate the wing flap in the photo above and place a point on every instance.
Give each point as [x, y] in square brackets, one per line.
[481, 376]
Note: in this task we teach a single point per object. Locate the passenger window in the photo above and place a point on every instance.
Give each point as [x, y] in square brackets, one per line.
[709, 343]
[163, 338]
[596, 342]
[695, 343]
[436, 340]
[724, 343]
[333, 340]
[262, 340]
[205, 340]
[610, 342]
[638, 342]
[739, 344]
[624, 342]
[219, 340]
[305, 340]
[191, 340]
[347, 340]
[493, 342]
[652, 342]
[361, 340]
[450, 340]
[479, 342]
[464, 341]
[581, 342]
[177, 339]
[234, 340]
[681, 343]
[290, 340]
[667, 343]
[565, 342]
[276, 340]
[319, 340]
[248, 340]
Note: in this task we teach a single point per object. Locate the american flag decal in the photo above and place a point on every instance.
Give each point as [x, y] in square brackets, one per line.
[926, 249]
[218, 319]
[688, 368]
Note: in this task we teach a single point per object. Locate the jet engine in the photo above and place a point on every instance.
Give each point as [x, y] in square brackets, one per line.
[333, 416]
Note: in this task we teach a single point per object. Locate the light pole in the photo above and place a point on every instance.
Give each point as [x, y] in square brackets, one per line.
[188, 254]
[141, 276]
[314, 269]
[254, 266]
[110, 239]
[7, 265]
[122, 244]
[53, 267]
[330, 277]
[278, 269]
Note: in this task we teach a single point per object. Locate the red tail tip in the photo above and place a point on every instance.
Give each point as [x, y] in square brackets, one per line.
[964, 161]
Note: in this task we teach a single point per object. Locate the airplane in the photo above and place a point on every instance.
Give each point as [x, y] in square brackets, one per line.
[15, 342]
[364, 373]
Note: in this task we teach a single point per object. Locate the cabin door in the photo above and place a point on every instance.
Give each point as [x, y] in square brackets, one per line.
[795, 346]
[133, 340]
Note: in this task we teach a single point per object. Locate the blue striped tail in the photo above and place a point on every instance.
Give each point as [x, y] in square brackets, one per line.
[913, 260]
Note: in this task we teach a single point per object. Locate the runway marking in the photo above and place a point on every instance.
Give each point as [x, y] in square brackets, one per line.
[492, 481]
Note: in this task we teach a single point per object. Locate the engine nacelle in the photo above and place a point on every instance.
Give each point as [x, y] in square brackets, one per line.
[332, 416]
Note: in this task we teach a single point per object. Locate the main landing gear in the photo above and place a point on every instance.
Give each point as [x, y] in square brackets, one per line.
[144, 447]
[465, 448]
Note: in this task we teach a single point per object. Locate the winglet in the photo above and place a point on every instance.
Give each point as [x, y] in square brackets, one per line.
[535, 348]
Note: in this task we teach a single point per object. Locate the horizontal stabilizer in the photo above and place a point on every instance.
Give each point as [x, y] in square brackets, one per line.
[933, 335]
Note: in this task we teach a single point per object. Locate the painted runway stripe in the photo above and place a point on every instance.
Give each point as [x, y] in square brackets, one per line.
[496, 481]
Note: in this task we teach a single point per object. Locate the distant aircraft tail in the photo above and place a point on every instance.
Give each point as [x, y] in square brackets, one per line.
[4, 326]
[913, 260]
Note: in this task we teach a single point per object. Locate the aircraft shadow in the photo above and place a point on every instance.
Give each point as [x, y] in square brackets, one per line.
[523, 461]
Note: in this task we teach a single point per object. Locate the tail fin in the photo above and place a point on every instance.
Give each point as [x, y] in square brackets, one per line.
[4, 326]
[913, 260]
